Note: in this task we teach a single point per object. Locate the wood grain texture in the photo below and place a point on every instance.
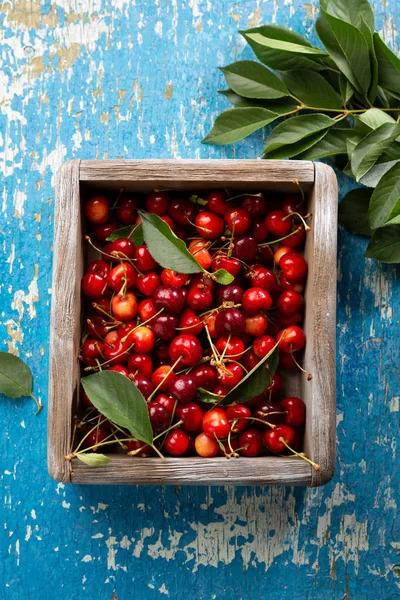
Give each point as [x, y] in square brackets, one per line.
[65, 319]
[319, 394]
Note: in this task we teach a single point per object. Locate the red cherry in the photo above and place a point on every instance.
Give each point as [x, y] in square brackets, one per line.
[157, 203]
[282, 250]
[232, 348]
[102, 232]
[126, 209]
[142, 363]
[96, 326]
[144, 260]
[169, 222]
[256, 299]
[145, 449]
[220, 390]
[232, 376]
[238, 412]
[295, 411]
[238, 220]
[182, 211]
[191, 415]
[245, 249]
[188, 348]
[263, 345]
[198, 298]
[205, 376]
[294, 267]
[289, 303]
[98, 266]
[278, 224]
[209, 321]
[144, 385]
[206, 445]
[286, 285]
[230, 321]
[251, 442]
[209, 225]
[265, 411]
[95, 438]
[250, 360]
[189, 322]
[272, 438]
[202, 281]
[294, 203]
[92, 350]
[216, 422]
[159, 417]
[259, 232]
[231, 265]
[164, 325]
[285, 322]
[123, 276]
[227, 452]
[168, 297]
[291, 339]
[146, 309]
[256, 324]
[122, 249]
[148, 283]
[96, 210]
[265, 255]
[163, 377]
[182, 388]
[199, 249]
[93, 285]
[297, 238]
[120, 369]
[115, 350]
[143, 339]
[255, 205]
[217, 202]
[124, 309]
[176, 442]
[264, 278]
[166, 401]
[169, 277]
[229, 293]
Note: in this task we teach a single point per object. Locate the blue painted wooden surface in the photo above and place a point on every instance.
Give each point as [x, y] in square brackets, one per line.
[126, 78]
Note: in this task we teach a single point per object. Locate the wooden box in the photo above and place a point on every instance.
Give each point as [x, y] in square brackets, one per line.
[319, 183]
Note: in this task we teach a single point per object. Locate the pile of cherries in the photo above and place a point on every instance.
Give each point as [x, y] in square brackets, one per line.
[171, 333]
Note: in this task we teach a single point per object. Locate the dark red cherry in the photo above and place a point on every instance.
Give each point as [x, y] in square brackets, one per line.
[168, 297]
[183, 388]
[126, 209]
[157, 203]
[191, 415]
[159, 417]
[230, 321]
[164, 325]
[182, 211]
[256, 206]
[205, 376]
[245, 249]
[295, 411]
[229, 293]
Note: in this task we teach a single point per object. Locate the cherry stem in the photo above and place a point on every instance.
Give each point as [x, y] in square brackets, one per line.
[281, 239]
[134, 452]
[261, 420]
[99, 422]
[292, 214]
[309, 375]
[140, 325]
[170, 423]
[296, 181]
[178, 360]
[226, 347]
[37, 402]
[300, 454]
[213, 348]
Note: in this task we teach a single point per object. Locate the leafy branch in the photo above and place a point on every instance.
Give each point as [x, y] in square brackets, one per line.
[341, 103]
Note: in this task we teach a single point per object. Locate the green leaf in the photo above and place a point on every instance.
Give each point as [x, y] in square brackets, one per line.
[167, 249]
[385, 245]
[298, 148]
[374, 118]
[353, 211]
[312, 89]
[93, 459]
[223, 277]
[208, 397]
[237, 123]
[351, 11]
[137, 236]
[371, 147]
[348, 48]
[333, 143]
[118, 399]
[389, 66]
[374, 175]
[384, 202]
[283, 60]
[256, 380]
[281, 106]
[295, 129]
[15, 376]
[346, 89]
[277, 44]
[250, 79]
[394, 216]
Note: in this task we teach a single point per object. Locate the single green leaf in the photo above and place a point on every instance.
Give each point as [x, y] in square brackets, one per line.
[333, 143]
[368, 34]
[312, 89]
[240, 101]
[348, 48]
[256, 380]
[137, 236]
[374, 118]
[394, 216]
[353, 211]
[385, 198]
[385, 245]
[389, 66]
[371, 147]
[298, 148]
[118, 399]
[237, 123]
[281, 106]
[282, 60]
[208, 397]
[295, 129]
[276, 44]
[15, 376]
[167, 249]
[223, 277]
[346, 89]
[351, 11]
[252, 80]
[374, 175]
[93, 459]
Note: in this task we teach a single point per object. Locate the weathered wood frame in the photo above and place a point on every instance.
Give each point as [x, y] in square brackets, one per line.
[319, 182]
